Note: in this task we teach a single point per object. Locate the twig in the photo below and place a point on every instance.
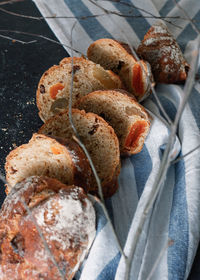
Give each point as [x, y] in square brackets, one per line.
[148, 78]
[166, 246]
[48, 17]
[185, 155]
[85, 16]
[16, 40]
[187, 16]
[38, 36]
[3, 179]
[77, 139]
[129, 16]
[166, 156]
[10, 2]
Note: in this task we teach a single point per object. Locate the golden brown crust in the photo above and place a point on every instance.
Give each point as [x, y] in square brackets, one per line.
[161, 50]
[22, 251]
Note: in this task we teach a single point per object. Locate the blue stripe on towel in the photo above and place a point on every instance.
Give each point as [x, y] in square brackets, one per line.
[188, 32]
[169, 5]
[178, 227]
[92, 26]
[140, 25]
[109, 271]
[169, 107]
[141, 162]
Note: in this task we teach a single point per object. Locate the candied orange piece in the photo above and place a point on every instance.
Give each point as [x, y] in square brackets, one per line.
[56, 150]
[54, 90]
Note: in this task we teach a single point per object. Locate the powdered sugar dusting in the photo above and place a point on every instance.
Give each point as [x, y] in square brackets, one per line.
[67, 220]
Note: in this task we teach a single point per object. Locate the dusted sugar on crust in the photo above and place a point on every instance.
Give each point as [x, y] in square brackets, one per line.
[58, 158]
[128, 118]
[117, 56]
[161, 50]
[66, 219]
[100, 141]
[54, 87]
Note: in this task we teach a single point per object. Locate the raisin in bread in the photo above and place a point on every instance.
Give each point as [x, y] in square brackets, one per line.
[43, 155]
[54, 86]
[128, 118]
[100, 140]
[117, 56]
[63, 214]
[160, 49]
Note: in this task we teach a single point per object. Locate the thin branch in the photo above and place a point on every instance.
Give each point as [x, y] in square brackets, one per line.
[185, 155]
[38, 36]
[10, 2]
[49, 17]
[161, 254]
[85, 16]
[188, 17]
[129, 16]
[166, 156]
[77, 139]
[16, 40]
[162, 109]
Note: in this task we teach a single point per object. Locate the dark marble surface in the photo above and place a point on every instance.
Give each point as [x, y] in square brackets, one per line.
[21, 66]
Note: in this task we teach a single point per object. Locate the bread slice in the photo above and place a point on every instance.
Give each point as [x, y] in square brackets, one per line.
[100, 140]
[117, 56]
[54, 87]
[44, 155]
[128, 118]
[64, 215]
[161, 50]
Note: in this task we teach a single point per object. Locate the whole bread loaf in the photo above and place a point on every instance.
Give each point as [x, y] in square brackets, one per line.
[65, 217]
[100, 140]
[117, 56]
[161, 50]
[57, 158]
[54, 87]
[128, 118]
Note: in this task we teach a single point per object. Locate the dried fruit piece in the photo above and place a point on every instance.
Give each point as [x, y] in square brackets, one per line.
[54, 90]
[56, 150]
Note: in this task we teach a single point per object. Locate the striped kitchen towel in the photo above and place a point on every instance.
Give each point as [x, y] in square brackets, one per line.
[175, 213]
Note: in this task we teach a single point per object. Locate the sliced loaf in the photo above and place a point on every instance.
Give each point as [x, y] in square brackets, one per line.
[128, 118]
[117, 56]
[44, 155]
[100, 140]
[55, 84]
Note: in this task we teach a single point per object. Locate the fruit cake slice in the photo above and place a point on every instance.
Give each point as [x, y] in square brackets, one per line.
[43, 155]
[128, 118]
[100, 140]
[55, 84]
[117, 56]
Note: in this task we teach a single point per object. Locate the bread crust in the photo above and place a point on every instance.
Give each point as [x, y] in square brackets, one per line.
[161, 50]
[23, 254]
[53, 90]
[77, 161]
[56, 128]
